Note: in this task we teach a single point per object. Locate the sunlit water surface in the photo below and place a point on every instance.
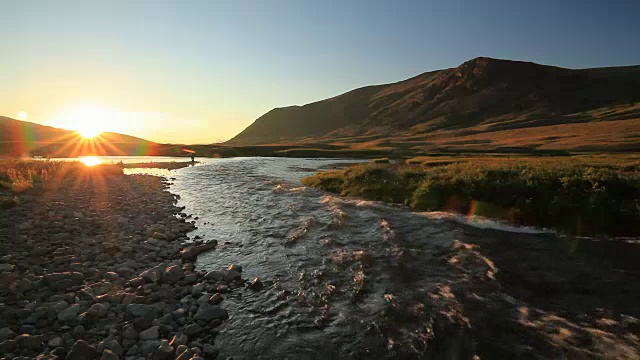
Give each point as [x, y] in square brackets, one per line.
[327, 262]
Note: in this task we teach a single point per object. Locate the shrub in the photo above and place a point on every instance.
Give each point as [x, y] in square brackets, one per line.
[578, 199]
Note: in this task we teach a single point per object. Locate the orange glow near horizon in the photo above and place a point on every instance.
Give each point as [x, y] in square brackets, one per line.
[88, 120]
[91, 160]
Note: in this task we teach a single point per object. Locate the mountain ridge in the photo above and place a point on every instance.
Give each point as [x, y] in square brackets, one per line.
[482, 91]
[23, 138]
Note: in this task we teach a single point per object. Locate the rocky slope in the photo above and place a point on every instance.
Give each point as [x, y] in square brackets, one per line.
[479, 92]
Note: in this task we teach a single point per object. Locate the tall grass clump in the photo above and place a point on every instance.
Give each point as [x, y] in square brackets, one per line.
[18, 176]
[577, 199]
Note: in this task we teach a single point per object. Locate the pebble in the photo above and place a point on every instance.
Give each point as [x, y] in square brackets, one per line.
[70, 313]
[150, 334]
[81, 350]
[106, 287]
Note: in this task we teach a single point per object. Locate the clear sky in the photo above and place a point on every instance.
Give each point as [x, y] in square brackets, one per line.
[201, 71]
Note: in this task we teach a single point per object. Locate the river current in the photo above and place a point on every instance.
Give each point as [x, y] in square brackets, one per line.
[332, 267]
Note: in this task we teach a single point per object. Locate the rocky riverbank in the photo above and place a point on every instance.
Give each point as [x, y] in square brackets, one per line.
[98, 268]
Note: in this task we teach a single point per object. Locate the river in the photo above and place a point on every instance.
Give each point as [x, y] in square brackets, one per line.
[343, 278]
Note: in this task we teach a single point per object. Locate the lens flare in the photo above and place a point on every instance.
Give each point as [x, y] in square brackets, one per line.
[90, 160]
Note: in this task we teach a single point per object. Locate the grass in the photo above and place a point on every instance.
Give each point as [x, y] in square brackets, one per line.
[579, 197]
[18, 176]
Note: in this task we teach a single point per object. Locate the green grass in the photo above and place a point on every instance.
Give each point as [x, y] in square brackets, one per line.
[578, 198]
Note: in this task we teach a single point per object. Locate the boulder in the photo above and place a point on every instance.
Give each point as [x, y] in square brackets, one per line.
[191, 253]
[149, 347]
[130, 333]
[55, 342]
[173, 274]
[70, 313]
[109, 355]
[181, 339]
[256, 284]
[6, 333]
[97, 311]
[208, 312]
[210, 351]
[142, 310]
[232, 275]
[151, 333]
[197, 289]
[33, 342]
[193, 330]
[216, 299]
[6, 267]
[214, 275]
[164, 352]
[81, 350]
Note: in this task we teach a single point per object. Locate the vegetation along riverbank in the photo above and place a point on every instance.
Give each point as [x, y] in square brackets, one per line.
[579, 195]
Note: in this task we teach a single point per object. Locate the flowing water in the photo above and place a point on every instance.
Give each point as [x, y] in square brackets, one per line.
[334, 269]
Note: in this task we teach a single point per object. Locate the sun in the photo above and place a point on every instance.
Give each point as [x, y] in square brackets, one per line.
[89, 132]
[88, 120]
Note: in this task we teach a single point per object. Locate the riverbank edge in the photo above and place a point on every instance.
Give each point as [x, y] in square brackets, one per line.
[120, 286]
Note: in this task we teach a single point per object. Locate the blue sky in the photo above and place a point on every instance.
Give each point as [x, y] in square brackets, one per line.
[212, 67]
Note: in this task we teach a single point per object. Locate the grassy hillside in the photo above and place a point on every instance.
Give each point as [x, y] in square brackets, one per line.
[484, 104]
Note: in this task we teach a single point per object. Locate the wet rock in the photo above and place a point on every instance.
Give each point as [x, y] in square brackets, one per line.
[190, 279]
[191, 253]
[130, 333]
[55, 342]
[164, 351]
[97, 310]
[7, 346]
[256, 284]
[208, 312]
[78, 331]
[216, 299]
[109, 355]
[193, 330]
[111, 276]
[69, 314]
[115, 347]
[6, 267]
[180, 339]
[232, 275]
[210, 351]
[151, 333]
[33, 342]
[142, 310]
[149, 347]
[173, 274]
[183, 353]
[134, 350]
[6, 333]
[154, 274]
[197, 289]
[214, 275]
[81, 350]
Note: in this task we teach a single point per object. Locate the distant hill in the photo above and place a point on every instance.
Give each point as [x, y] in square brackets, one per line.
[482, 104]
[22, 138]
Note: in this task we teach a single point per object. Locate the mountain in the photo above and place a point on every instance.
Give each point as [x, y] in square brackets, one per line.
[458, 107]
[22, 138]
